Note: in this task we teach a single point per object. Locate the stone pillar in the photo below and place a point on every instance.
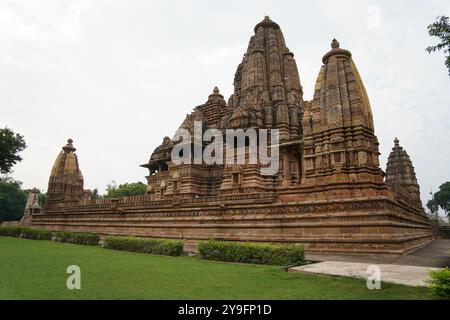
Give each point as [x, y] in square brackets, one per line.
[286, 170]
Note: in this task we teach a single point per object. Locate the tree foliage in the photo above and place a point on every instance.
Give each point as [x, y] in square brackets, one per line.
[10, 145]
[42, 198]
[432, 206]
[441, 29]
[12, 199]
[96, 194]
[441, 199]
[125, 190]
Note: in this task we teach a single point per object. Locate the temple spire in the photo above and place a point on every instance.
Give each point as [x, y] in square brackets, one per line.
[66, 181]
[267, 84]
[400, 173]
[340, 111]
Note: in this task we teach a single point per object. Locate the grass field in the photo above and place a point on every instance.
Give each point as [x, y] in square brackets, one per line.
[31, 269]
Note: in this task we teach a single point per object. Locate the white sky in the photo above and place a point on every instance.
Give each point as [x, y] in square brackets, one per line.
[118, 76]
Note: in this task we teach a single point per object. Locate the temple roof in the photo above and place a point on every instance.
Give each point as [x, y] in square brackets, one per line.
[400, 171]
[340, 92]
[67, 162]
[268, 72]
[66, 181]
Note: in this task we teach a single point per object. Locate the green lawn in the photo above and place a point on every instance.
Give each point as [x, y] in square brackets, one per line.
[31, 269]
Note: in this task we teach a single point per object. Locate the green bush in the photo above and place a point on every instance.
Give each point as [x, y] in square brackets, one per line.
[11, 231]
[37, 234]
[440, 282]
[156, 246]
[248, 252]
[90, 239]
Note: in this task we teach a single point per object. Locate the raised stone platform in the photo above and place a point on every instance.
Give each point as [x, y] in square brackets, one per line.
[378, 225]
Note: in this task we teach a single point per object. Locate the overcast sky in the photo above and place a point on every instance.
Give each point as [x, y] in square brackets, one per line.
[118, 76]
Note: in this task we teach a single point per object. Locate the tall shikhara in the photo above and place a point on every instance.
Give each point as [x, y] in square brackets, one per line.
[66, 181]
[329, 193]
[400, 174]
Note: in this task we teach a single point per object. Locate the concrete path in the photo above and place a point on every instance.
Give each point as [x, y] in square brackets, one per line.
[436, 254]
[408, 275]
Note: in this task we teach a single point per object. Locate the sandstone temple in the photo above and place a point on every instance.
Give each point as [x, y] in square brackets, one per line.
[329, 193]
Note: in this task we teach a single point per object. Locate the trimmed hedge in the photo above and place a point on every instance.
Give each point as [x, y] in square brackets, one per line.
[37, 234]
[90, 239]
[440, 282]
[27, 233]
[249, 252]
[165, 247]
[11, 231]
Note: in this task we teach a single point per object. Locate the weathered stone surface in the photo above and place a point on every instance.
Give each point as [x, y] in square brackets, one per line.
[31, 207]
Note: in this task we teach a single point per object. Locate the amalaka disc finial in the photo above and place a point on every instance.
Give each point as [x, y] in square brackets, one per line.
[336, 51]
[215, 95]
[266, 23]
[335, 44]
[396, 142]
[69, 146]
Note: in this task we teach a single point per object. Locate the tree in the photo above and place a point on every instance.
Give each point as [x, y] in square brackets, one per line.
[95, 194]
[441, 29]
[442, 197]
[433, 206]
[10, 145]
[42, 198]
[125, 190]
[12, 199]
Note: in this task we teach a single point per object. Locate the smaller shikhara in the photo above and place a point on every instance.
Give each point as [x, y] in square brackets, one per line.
[329, 192]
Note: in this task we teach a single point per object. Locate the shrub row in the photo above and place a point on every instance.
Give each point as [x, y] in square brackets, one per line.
[28, 233]
[36, 234]
[156, 246]
[11, 231]
[90, 239]
[42, 234]
[248, 252]
[440, 282]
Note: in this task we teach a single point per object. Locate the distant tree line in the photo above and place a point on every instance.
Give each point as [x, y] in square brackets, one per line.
[440, 200]
[123, 190]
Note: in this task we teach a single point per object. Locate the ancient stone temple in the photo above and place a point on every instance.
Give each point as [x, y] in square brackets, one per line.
[329, 192]
[65, 185]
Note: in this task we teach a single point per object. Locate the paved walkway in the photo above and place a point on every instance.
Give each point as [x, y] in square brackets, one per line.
[436, 254]
[408, 275]
[409, 269]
